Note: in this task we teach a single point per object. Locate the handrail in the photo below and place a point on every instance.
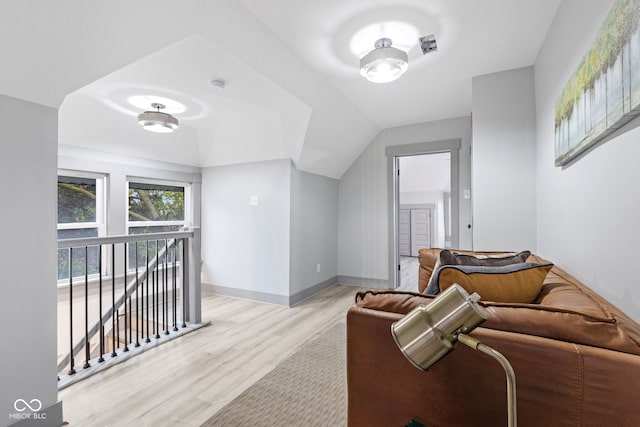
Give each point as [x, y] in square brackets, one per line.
[126, 238]
[129, 289]
[157, 298]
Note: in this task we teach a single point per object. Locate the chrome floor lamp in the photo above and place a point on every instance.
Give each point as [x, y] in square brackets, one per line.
[428, 332]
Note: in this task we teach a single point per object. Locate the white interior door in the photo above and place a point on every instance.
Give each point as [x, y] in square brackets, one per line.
[420, 230]
[404, 232]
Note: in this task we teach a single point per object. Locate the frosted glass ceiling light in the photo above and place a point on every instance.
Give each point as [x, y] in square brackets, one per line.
[384, 63]
[156, 121]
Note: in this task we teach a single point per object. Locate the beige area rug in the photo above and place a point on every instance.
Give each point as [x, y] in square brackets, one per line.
[307, 389]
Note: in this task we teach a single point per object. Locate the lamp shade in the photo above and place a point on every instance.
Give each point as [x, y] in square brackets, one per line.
[157, 121]
[428, 332]
[384, 63]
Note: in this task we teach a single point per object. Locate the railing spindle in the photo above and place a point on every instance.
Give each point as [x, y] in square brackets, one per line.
[113, 301]
[101, 327]
[126, 268]
[156, 306]
[161, 286]
[175, 286]
[118, 328]
[184, 280]
[165, 284]
[126, 346]
[130, 341]
[147, 283]
[72, 361]
[137, 344]
[153, 301]
[87, 350]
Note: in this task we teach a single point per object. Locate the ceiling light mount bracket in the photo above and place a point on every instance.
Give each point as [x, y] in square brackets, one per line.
[383, 42]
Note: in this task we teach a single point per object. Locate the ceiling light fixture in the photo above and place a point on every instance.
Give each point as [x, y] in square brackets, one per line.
[156, 121]
[384, 63]
[218, 83]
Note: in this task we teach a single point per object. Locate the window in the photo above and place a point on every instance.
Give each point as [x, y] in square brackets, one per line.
[80, 214]
[156, 207]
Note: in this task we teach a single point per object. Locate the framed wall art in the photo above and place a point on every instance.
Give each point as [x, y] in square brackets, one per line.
[604, 91]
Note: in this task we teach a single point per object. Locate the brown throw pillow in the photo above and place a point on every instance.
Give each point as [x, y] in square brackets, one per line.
[514, 283]
[455, 258]
[447, 257]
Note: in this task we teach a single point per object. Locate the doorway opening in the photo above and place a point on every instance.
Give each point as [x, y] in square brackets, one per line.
[424, 205]
[424, 215]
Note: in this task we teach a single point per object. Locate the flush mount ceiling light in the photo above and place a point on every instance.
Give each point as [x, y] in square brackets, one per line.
[156, 121]
[218, 83]
[384, 63]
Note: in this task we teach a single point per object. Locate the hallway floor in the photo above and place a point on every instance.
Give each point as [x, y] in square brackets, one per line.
[187, 380]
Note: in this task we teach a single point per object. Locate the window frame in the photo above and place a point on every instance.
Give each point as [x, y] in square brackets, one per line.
[187, 214]
[101, 212]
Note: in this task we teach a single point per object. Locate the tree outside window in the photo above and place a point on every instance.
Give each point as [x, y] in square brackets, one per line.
[80, 201]
[153, 208]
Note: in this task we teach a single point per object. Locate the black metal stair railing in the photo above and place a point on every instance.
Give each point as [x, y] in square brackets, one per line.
[158, 284]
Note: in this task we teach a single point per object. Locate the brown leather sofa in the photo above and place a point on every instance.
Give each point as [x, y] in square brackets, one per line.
[575, 355]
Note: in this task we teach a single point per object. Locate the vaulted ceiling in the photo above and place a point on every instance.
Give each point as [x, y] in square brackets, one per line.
[291, 67]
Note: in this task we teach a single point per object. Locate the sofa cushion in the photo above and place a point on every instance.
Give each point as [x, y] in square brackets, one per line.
[447, 257]
[428, 257]
[593, 322]
[519, 282]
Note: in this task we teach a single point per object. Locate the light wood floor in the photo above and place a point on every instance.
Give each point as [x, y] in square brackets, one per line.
[185, 381]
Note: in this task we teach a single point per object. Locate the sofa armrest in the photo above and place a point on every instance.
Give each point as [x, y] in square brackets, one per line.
[608, 331]
[558, 383]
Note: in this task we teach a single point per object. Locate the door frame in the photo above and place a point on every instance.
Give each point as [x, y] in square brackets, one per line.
[394, 153]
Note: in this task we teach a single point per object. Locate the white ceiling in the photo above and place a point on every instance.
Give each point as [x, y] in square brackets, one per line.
[474, 37]
[294, 89]
[251, 119]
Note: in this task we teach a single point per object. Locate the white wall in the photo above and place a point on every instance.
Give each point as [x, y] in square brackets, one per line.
[503, 177]
[587, 212]
[244, 247]
[28, 256]
[314, 232]
[363, 228]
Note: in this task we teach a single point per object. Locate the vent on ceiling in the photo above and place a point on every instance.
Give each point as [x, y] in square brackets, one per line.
[428, 43]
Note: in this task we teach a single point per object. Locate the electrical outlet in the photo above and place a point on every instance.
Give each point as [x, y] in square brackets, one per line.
[318, 268]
